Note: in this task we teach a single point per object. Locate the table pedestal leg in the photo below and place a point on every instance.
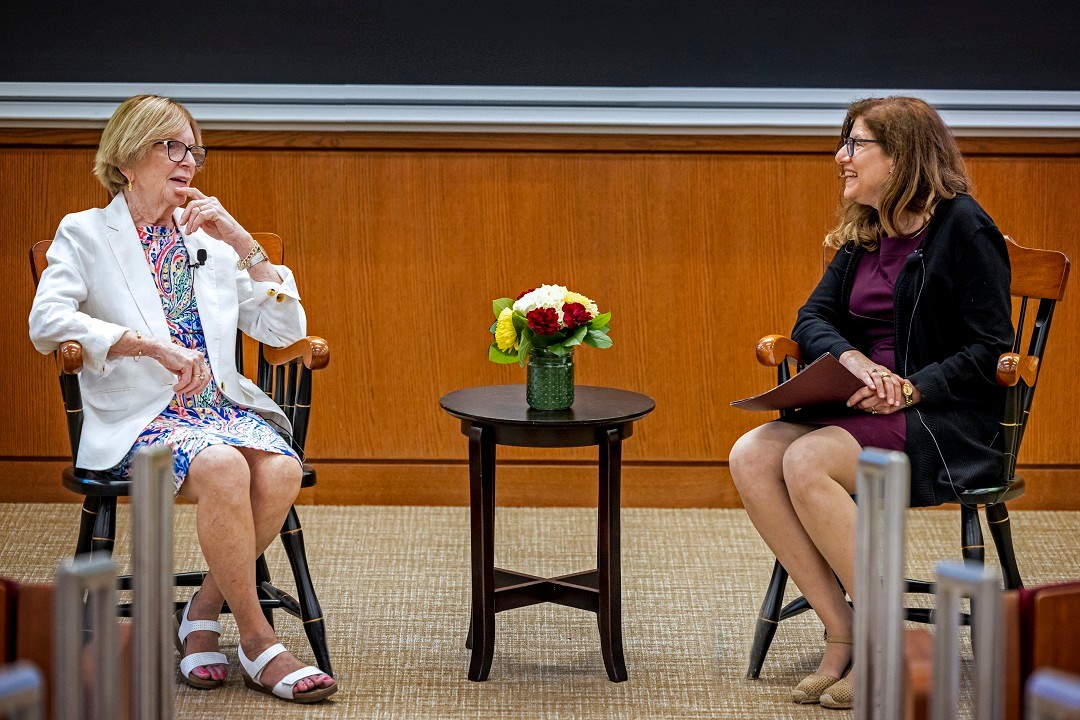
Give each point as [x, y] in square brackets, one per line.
[482, 507]
[609, 556]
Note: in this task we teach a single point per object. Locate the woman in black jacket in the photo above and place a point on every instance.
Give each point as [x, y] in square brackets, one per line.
[916, 305]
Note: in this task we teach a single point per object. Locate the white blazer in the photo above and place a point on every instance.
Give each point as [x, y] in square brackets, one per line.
[99, 285]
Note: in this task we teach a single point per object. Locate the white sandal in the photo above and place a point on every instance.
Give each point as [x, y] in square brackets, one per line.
[252, 673]
[185, 627]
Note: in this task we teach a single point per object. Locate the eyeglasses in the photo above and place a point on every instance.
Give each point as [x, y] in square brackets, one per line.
[851, 143]
[178, 150]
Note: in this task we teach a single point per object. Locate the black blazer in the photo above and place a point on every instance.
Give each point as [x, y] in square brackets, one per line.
[953, 319]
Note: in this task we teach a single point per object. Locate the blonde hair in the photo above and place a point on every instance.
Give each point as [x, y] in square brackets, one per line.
[927, 168]
[132, 130]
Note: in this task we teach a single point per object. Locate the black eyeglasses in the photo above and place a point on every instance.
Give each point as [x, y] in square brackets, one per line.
[178, 150]
[850, 143]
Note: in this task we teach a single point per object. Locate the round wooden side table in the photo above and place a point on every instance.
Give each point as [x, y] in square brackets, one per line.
[498, 415]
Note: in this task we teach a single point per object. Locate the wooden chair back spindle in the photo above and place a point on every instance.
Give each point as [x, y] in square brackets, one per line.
[1041, 276]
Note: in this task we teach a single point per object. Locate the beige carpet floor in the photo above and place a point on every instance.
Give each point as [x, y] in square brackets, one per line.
[394, 587]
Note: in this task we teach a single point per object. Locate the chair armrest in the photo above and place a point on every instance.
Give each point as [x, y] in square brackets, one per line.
[772, 350]
[68, 358]
[314, 351]
[1012, 368]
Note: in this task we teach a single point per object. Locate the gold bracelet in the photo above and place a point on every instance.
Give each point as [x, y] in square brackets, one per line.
[244, 262]
[138, 337]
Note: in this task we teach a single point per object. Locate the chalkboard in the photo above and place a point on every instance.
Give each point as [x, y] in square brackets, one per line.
[942, 44]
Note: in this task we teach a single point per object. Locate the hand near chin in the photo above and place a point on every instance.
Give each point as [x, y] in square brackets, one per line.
[206, 213]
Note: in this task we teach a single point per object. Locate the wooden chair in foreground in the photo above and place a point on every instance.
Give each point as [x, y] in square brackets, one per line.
[285, 375]
[1039, 277]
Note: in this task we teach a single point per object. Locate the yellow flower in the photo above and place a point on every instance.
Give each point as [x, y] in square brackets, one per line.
[505, 334]
[573, 297]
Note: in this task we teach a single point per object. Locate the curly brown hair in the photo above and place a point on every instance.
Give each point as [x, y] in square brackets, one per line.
[927, 168]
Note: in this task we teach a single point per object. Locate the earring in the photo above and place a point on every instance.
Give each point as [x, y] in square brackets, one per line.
[130, 187]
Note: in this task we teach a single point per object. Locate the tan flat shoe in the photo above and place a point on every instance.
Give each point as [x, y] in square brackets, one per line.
[839, 696]
[810, 688]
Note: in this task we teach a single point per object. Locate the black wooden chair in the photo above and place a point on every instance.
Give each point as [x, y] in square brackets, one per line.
[1037, 275]
[285, 375]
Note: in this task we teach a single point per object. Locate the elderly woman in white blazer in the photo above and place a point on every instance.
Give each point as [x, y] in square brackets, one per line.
[155, 292]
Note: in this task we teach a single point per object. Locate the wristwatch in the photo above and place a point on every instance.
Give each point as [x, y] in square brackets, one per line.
[255, 256]
[908, 390]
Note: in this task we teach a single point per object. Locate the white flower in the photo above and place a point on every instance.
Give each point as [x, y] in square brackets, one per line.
[550, 296]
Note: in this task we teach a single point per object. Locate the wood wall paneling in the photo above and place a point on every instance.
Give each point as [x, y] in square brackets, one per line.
[698, 245]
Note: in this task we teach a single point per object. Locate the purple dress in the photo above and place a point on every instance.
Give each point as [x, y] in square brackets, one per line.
[192, 423]
[871, 309]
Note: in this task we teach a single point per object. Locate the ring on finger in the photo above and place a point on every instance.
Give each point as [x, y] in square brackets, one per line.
[873, 410]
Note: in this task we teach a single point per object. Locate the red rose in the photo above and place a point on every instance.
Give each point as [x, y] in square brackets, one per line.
[524, 293]
[543, 321]
[575, 314]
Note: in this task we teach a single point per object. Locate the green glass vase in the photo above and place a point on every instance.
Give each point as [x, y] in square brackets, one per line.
[549, 382]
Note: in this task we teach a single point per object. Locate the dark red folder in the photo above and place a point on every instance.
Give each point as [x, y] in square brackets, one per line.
[823, 381]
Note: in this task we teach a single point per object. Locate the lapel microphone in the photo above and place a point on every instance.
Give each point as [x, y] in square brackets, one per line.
[200, 259]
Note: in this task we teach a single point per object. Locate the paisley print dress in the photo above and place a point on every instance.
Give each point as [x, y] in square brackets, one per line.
[192, 423]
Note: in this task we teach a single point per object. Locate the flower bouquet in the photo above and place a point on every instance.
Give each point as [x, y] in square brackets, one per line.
[543, 326]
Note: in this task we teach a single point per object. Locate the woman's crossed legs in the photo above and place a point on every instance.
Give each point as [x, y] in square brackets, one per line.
[243, 496]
